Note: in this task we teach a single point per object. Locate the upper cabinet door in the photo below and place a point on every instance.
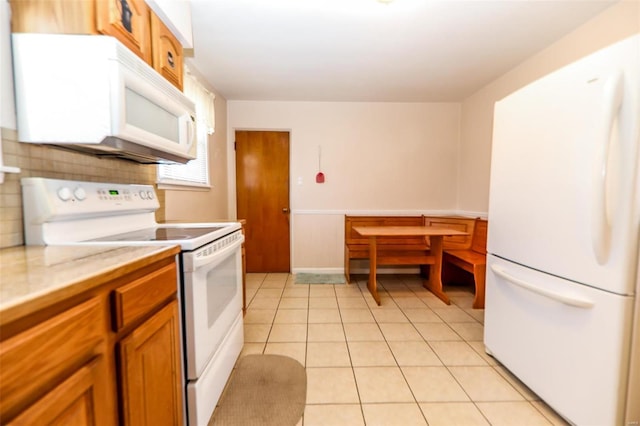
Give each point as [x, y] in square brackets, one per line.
[128, 21]
[177, 16]
[167, 52]
[53, 16]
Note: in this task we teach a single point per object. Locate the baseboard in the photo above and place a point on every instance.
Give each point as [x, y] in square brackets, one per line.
[317, 270]
[381, 270]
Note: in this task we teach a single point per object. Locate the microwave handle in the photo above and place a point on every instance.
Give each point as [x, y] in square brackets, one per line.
[191, 135]
[191, 132]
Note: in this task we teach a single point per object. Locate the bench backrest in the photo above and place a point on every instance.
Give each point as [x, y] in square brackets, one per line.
[479, 242]
[453, 242]
[351, 237]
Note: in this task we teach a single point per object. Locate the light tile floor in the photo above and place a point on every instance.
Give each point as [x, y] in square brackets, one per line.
[411, 361]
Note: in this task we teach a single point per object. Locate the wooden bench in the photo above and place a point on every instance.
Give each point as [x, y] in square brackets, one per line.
[463, 224]
[472, 259]
[390, 250]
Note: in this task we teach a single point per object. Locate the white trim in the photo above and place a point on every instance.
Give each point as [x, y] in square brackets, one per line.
[381, 270]
[179, 185]
[387, 270]
[317, 270]
[482, 215]
[391, 212]
[375, 212]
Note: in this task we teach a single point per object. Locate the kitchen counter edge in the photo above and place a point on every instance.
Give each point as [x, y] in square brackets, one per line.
[35, 277]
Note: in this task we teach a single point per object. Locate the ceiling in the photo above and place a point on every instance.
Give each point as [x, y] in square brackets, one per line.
[366, 50]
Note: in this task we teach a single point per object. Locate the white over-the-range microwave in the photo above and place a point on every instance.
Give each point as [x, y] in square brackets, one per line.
[92, 94]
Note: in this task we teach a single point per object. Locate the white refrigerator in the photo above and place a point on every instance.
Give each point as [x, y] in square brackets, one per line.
[564, 213]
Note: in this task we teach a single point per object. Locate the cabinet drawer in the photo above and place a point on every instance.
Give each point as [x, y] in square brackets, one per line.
[33, 362]
[132, 301]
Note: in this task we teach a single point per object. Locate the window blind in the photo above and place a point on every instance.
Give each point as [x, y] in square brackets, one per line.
[195, 172]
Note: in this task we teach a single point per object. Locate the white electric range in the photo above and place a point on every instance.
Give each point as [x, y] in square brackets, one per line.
[63, 212]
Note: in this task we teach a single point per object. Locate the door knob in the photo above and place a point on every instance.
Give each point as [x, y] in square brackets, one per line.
[285, 210]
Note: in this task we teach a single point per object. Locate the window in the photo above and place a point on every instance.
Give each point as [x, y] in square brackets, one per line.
[195, 173]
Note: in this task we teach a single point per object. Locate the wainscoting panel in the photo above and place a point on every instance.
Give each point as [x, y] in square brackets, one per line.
[317, 238]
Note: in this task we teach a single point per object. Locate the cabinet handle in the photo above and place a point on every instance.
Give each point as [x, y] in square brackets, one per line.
[125, 16]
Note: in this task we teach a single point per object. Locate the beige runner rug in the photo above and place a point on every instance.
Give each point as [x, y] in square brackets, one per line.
[263, 390]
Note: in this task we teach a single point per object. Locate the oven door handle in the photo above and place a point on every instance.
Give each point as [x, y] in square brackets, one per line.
[210, 260]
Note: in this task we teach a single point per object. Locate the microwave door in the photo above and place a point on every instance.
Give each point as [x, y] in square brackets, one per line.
[153, 117]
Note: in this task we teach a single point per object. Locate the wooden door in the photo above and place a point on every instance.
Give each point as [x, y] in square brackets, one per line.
[151, 373]
[262, 192]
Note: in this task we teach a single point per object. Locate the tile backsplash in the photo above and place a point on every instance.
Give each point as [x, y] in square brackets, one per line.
[50, 162]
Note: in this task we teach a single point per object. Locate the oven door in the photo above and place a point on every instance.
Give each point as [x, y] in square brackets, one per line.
[212, 298]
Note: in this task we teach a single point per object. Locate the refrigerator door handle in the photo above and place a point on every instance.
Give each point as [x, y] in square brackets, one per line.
[570, 300]
[600, 225]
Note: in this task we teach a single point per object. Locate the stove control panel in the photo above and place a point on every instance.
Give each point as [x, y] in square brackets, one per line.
[55, 199]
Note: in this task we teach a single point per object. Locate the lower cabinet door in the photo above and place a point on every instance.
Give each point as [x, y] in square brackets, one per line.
[73, 402]
[151, 377]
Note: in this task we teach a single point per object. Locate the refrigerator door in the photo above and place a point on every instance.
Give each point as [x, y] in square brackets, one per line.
[564, 159]
[568, 342]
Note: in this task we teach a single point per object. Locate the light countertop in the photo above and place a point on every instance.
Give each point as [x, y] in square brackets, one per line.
[33, 277]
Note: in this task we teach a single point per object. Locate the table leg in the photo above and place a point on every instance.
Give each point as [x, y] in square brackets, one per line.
[435, 283]
[373, 263]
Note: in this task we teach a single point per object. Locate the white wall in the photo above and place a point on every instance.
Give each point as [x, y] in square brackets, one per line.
[388, 158]
[7, 107]
[412, 157]
[615, 23]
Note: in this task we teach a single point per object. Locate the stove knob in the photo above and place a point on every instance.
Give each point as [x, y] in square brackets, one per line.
[143, 195]
[150, 195]
[64, 193]
[80, 194]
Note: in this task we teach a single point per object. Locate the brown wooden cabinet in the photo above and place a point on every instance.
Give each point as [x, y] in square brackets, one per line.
[62, 352]
[74, 402]
[130, 21]
[108, 356]
[167, 54]
[150, 359]
[149, 355]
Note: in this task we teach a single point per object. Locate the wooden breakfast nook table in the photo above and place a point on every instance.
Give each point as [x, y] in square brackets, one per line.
[433, 235]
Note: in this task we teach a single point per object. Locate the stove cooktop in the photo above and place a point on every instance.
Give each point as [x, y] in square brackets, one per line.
[160, 234]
